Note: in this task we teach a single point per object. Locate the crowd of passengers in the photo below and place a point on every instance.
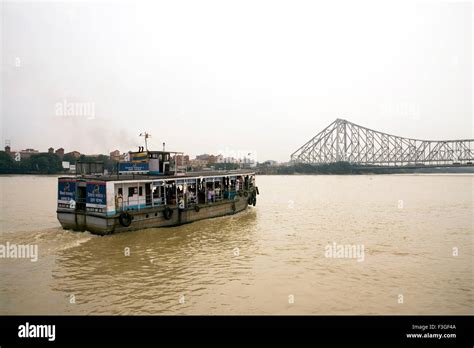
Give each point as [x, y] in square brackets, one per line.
[207, 192]
[196, 193]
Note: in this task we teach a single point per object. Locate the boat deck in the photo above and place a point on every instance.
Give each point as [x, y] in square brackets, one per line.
[127, 177]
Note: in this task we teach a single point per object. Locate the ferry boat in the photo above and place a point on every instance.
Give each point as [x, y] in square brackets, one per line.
[147, 191]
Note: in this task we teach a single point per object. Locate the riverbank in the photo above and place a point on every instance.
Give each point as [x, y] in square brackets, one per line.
[47, 163]
[342, 168]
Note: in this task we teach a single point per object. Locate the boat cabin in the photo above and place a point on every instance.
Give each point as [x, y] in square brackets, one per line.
[148, 162]
[110, 195]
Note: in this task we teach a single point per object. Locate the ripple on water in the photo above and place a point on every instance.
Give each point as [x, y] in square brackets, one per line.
[250, 263]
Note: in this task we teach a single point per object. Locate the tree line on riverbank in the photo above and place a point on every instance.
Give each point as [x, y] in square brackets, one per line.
[47, 163]
[50, 163]
[302, 168]
[341, 168]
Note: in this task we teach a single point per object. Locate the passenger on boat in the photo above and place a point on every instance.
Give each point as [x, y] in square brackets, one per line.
[180, 192]
[210, 196]
[191, 197]
[119, 199]
[201, 195]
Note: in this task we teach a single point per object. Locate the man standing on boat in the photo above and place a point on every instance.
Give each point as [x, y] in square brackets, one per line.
[209, 195]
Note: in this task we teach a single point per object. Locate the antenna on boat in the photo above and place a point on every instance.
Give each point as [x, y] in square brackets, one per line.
[146, 135]
[163, 147]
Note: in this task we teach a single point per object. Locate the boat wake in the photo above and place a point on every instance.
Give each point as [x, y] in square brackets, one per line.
[49, 241]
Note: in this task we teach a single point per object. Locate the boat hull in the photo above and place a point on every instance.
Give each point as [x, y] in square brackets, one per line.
[148, 218]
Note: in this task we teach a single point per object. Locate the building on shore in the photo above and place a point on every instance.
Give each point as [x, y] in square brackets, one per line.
[75, 154]
[198, 163]
[115, 155]
[270, 163]
[60, 152]
[22, 154]
[182, 161]
[203, 157]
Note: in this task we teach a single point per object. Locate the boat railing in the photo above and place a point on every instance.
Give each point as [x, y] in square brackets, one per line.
[149, 201]
[192, 201]
[158, 200]
[142, 202]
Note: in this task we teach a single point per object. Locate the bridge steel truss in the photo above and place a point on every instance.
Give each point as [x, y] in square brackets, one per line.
[345, 141]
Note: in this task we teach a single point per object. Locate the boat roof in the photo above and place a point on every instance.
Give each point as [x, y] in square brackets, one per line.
[146, 177]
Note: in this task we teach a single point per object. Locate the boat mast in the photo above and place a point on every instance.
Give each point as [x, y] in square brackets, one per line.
[146, 135]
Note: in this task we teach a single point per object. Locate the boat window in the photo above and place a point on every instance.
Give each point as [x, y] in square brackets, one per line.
[120, 191]
[131, 191]
[140, 191]
[161, 157]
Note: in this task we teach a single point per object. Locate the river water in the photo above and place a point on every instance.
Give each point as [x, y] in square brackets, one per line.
[416, 232]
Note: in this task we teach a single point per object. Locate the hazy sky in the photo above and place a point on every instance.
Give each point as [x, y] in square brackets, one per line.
[241, 76]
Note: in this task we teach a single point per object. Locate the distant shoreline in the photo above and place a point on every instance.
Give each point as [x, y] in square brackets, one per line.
[345, 168]
[381, 171]
[367, 173]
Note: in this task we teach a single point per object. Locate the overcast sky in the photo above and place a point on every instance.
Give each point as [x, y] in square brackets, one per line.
[234, 76]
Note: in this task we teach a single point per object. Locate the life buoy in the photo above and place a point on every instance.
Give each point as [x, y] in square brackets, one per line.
[240, 193]
[196, 208]
[167, 213]
[246, 193]
[125, 219]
